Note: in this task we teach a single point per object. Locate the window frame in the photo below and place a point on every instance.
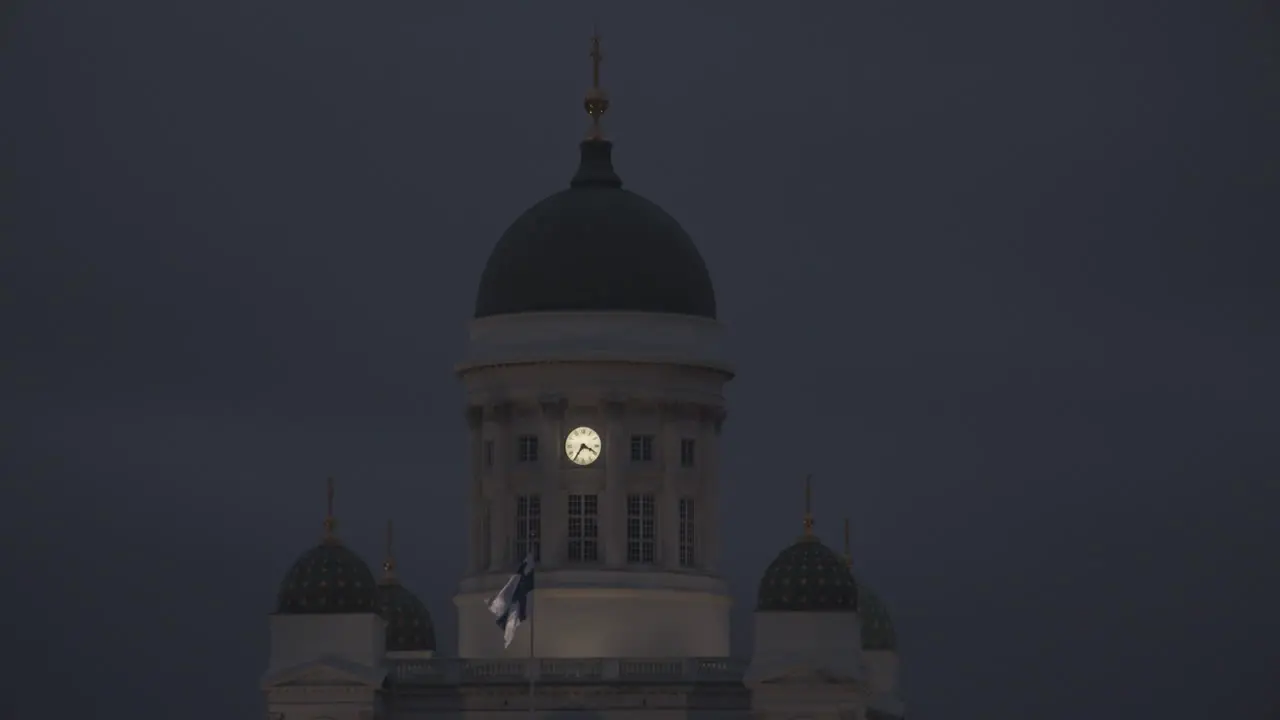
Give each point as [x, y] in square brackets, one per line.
[528, 526]
[642, 447]
[527, 448]
[583, 529]
[642, 526]
[688, 533]
[688, 452]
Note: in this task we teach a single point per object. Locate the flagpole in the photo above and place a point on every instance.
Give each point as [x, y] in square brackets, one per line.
[531, 656]
[534, 556]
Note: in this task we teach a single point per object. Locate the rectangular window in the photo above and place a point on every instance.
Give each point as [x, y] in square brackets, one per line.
[640, 529]
[529, 526]
[528, 448]
[687, 447]
[641, 448]
[686, 533]
[584, 529]
[488, 453]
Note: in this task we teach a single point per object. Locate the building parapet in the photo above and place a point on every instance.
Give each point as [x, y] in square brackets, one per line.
[464, 671]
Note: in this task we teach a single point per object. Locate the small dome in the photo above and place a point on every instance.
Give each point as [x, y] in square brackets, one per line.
[328, 578]
[595, 246]
[808, 577]
[409, 627]
[877, 628]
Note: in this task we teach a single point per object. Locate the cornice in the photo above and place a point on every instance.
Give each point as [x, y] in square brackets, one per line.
[554, 406]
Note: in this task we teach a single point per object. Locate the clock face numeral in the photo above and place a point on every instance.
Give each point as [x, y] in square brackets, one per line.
[582, 446]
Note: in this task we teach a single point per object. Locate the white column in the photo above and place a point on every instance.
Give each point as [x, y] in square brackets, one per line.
[555, 511]
[475, 504]
[708, 515]
[501, 505]
[668, 501]
[613, 506]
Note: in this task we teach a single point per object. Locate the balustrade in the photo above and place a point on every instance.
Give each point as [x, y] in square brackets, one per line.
[458, 671]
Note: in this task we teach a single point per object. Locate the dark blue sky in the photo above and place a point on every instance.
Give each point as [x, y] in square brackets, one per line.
[1001, 274]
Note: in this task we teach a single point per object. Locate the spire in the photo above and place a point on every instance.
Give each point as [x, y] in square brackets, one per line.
[389, 564]
[808, 508]
[848, 556]
[595, 168]
[330, 522]
[596, 102]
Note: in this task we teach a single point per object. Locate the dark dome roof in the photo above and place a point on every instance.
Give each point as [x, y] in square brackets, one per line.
[328, 578]
[877, 628]
[409, 626]
[808, 577]
[595, 246]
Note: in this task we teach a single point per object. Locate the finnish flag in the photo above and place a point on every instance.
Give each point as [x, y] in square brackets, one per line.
[511, 605]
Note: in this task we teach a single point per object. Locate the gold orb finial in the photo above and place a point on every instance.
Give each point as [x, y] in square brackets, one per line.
[596, 102]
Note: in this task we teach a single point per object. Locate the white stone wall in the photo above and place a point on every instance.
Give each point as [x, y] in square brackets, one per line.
[297, 639]
[622, 374]
[603, 622]
[595, 336]
[882, 681]
[826, 642]
[882, 671]
[807, 665]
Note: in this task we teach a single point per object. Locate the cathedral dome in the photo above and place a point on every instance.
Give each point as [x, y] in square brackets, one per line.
[595, 246]
[808, 577]
[409, 626]
[328, 578]
[877, 628]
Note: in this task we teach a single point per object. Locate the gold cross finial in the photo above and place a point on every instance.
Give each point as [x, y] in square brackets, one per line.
[330, 522]
[596, 57]
[389, 564]
[596, 102]
[808, 508]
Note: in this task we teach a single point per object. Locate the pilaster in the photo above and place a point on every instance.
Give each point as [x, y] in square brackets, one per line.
[501, 504]
[613, 510]
[474, 415]
[555, 511]
[669, 436]
[707, 526]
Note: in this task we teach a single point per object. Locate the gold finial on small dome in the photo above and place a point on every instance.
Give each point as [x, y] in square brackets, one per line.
[808, 507]
[389, 564]
[330, 522]
[596, 102]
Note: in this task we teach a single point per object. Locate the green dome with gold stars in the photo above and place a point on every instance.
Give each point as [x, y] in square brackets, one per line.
[409, 626]
[807, 577]
[877, 627]
[328, 578]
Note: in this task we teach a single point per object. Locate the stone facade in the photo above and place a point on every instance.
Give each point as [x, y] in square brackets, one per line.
[630, 617]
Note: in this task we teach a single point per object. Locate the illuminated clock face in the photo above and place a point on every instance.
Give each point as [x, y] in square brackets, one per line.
[582, 446]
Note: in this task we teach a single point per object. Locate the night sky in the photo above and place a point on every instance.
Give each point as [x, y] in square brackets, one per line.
[1002, 275]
